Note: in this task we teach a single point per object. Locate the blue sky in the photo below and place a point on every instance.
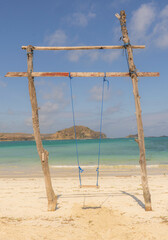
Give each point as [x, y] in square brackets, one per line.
[73, 23]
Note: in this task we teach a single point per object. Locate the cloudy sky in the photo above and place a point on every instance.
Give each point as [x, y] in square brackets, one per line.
[74, 23]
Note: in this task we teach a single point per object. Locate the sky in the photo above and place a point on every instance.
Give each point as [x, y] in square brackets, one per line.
[84, 23]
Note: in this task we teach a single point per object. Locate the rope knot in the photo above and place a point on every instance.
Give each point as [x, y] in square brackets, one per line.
[126, 45]
[30, 53]
[80, 169]
[123, 25]
[133, 72]
[105, 80]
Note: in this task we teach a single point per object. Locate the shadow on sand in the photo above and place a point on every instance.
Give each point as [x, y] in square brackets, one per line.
[107, 195]
[140, 203]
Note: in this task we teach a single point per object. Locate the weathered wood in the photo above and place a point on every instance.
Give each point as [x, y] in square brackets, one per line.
[141, 142]
[81, 74]
[89, 186]
[83, 47]
[43, 154]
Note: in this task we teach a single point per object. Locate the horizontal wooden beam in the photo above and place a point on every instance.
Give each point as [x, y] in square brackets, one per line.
[82, 47]
[81, 74]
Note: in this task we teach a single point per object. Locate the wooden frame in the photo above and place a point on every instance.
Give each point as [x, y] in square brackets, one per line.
[43, 154]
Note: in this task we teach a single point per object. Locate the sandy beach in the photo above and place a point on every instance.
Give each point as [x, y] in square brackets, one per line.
[113, 211]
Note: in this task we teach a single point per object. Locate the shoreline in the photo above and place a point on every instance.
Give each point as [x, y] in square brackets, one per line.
[70, 139]
[72, 171]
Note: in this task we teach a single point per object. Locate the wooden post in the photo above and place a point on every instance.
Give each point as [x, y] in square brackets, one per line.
[43, 154]
[141, 142]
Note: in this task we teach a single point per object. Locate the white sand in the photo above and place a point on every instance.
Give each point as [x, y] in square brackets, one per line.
[114, 211]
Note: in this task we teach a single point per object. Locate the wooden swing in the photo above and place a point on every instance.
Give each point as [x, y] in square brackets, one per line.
[43, 154]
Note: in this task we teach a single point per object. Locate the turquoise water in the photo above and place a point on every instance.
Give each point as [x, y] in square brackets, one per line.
[120, 151]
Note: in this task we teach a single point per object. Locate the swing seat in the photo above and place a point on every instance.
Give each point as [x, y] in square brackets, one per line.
[89, 186]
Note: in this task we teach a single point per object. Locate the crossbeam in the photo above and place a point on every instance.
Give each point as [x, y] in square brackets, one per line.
[81, 74]
[82, 47]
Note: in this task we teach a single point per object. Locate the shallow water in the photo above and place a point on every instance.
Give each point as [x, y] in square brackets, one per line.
[121, 151]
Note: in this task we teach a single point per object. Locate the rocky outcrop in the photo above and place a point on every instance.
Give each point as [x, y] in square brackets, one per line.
[81, 133]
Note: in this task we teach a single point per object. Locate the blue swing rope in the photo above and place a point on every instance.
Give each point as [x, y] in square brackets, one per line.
[101, 121]
[126, 55]
[73, 113]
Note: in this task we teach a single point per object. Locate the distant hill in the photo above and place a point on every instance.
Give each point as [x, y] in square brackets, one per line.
[136, 136]
[132, 136]
[82, 132]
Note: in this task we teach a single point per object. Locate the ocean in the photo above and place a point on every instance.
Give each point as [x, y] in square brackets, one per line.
[62, 153]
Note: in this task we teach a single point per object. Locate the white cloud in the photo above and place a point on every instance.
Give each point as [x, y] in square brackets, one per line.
[40, 82]
[141, 21]
[53, 116]
[49, 107]
[116, 31]
[59, 37]
[155, 124]
[81, 19]
[111, 56]
[162, 40]
[150, 25]
[112, 110]
[118, 3]
[96, 93]
[2, 83]
[55, 93]
[53, 104]
[161, 29]
[164, 12]
[28, 121]
[94, 55]
[56, 99]
[51, 122]
[74, 56]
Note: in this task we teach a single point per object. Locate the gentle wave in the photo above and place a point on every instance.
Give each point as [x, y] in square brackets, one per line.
[70, 166]
[110, 166]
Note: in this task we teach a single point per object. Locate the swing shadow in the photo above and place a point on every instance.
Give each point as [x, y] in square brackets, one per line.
[140, 203]
[89, 207]
[95, 207]
[85, 207]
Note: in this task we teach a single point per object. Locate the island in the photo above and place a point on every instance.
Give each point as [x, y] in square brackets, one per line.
[132, 136]
[82, 132]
